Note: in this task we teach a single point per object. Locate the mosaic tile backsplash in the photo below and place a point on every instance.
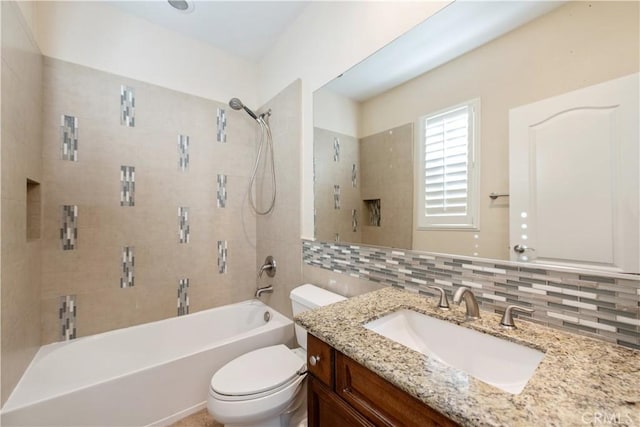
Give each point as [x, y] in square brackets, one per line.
[601, 306]
[222, 256]
[183, 224]
[69, 227]
[127, 185]
[183, 297]
[221, 123]
[127, 106]
[127, 279]
[183, 152]
[67, 314]
[69, 137]
[221, 192]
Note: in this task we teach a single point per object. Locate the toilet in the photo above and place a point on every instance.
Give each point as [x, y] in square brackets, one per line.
[266, 387]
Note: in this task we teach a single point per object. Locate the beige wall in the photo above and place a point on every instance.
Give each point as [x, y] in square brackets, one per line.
[21, 160]
[335, 112]
[92, 271]
[577, 45]
[278, 233]
[101, 36]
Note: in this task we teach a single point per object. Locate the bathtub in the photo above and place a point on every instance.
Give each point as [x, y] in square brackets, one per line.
[146, 375]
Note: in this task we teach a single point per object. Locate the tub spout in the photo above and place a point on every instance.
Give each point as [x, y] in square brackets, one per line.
[266, 289]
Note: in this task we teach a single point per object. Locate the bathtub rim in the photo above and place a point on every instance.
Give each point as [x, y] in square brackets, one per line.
[6, 408]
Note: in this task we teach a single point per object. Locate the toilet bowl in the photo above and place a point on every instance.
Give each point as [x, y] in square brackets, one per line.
[266, 387]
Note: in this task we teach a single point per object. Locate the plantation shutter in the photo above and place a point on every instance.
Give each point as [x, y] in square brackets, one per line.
[446, 163]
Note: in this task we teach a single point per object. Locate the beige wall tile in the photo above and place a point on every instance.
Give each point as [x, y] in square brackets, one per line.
[278, 234]
[21, 160]
[93, 270]
[387, 174]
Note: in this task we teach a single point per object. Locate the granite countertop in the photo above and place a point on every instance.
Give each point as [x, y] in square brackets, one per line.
[580, 381]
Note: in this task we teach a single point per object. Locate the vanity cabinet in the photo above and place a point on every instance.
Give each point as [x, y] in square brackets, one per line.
[341, 392]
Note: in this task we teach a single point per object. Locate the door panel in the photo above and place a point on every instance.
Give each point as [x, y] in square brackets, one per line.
[574, 178]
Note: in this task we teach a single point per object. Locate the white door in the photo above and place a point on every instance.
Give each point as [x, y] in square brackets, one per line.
[574, 178]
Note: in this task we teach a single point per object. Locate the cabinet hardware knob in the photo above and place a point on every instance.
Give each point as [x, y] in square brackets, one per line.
[314, 360]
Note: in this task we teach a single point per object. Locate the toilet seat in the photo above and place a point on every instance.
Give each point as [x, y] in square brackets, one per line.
[257, 373]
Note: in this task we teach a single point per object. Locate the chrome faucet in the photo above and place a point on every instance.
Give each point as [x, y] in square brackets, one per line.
[265, 290]
[269, 265]
[473, 312]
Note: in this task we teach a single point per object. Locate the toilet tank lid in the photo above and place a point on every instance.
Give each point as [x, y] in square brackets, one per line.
[313, 296]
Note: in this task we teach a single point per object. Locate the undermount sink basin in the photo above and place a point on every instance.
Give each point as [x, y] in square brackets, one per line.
[498, 362]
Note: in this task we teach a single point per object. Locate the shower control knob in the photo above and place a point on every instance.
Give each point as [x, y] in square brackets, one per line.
[314, 360]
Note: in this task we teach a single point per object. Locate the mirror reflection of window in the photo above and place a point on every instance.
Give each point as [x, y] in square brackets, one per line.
[448, 169]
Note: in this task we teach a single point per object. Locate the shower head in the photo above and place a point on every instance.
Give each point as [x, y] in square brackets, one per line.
[236, 104]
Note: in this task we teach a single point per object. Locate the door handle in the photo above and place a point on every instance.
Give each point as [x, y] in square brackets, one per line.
[522, 248]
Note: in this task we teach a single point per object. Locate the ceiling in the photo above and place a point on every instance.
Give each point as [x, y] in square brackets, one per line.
[243, 28]
[455, 30]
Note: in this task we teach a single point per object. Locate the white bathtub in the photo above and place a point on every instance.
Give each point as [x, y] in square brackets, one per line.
[151, 374]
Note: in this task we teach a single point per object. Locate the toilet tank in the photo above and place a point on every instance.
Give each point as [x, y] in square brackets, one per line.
[308, 297]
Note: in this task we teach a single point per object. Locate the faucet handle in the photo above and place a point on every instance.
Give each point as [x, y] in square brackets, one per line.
[507, 318]
[444, 302]
[269, 265]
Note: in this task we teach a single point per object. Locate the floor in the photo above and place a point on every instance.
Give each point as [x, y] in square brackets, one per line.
[199, 419]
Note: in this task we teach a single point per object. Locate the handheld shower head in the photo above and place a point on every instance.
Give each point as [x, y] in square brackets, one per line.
[236, 104]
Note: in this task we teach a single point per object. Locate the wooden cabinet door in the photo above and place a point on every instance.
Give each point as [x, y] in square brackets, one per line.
[325, 409]
[322, 365]
[380, 401]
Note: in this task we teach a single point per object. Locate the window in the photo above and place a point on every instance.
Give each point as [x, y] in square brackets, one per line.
[448, 170]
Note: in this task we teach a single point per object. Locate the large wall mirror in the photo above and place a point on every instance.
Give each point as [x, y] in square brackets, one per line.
[476, 68]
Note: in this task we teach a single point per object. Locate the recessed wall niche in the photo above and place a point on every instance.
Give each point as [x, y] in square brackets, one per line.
[373, 209]
[33, 210]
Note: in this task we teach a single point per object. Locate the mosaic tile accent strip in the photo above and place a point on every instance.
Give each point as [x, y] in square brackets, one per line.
[375, 214]
[336, 149]
[222, 256]
[127, 106]
[183, 224]
[354, 220]
[602, 306]
[336, 196]
[183, 152]
[69, 227]
[67, 315]
[128, 261]
[221, 121]
[315, 221]
[221, 193]
[69, 137]
[354, 175]
[183, 297]
[127, 185]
